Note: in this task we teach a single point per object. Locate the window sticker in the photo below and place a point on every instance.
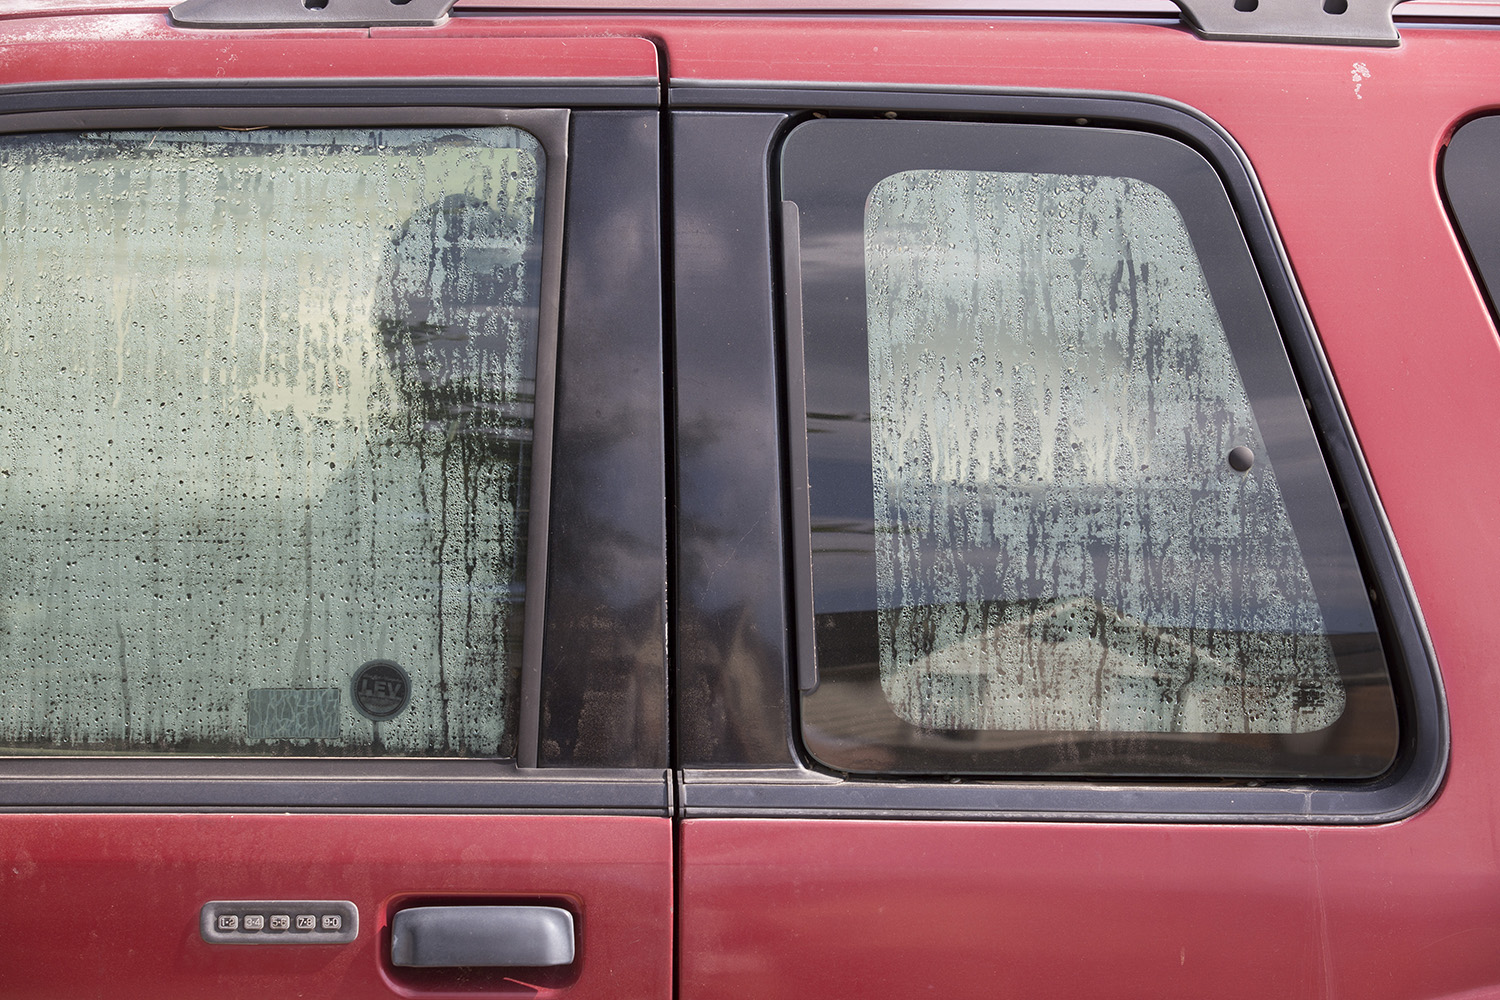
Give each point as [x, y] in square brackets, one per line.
[381, 690]
[293, 714]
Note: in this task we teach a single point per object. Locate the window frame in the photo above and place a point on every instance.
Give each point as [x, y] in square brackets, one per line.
[1470, 199]
[182, 781]
[1254, 347]
[721, 780]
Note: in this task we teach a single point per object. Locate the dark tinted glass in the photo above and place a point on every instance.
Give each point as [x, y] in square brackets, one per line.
[1469, 169]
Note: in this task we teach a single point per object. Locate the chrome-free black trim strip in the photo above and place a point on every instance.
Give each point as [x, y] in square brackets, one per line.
[275, 98]
[813, 795]
[796, 427]
[233, 784]
[552, 133]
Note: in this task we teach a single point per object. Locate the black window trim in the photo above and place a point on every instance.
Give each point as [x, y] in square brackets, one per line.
[268, 97]
[1422, 759]
[60, 782]
[1464, 183]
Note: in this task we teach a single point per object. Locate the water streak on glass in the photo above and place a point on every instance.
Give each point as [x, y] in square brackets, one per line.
[266, 401]
[1061, 543]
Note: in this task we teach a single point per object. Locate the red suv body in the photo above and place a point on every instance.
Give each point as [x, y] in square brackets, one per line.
[259, 473]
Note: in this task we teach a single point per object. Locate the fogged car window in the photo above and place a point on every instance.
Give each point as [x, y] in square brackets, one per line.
[1062, 538]
[267, 402]
[1067, 512]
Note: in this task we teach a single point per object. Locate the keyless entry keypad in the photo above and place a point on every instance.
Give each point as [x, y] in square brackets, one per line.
[279, 921]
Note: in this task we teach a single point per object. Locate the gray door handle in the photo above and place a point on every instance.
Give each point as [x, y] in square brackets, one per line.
[453, 936]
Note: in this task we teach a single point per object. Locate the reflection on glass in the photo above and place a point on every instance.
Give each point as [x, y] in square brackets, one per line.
[267, 415]
[1061, 541]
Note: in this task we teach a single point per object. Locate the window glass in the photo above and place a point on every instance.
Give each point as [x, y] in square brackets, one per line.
[1059, 521]
[1468, 175]
[267, 403]
[1061, 541]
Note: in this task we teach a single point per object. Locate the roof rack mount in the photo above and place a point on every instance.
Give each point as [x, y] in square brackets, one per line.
[1317, 22]
[309, 13]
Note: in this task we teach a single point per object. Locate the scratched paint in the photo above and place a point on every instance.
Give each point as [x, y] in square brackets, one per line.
[1060, 541]
[1359, 73]
[266, 402]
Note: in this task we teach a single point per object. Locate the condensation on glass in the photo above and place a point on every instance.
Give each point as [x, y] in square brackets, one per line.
[1060, 540]
[267, 404]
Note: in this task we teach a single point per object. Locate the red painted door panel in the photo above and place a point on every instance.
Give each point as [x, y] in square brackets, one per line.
[851, 909]
[106, 902]
[108, 905]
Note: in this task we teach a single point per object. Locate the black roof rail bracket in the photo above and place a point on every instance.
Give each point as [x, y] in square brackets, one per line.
[311, 13]
[1316, 22]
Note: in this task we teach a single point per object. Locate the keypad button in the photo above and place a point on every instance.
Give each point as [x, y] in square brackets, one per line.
[306, 922]
[229, 922]
[255, 921]
[280, 921]
[332, 922]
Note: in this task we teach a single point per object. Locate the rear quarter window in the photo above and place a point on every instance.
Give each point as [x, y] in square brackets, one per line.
[1068, 514]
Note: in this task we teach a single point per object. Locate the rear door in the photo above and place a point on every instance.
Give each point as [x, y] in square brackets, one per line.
[1096, 670]
[333, 597]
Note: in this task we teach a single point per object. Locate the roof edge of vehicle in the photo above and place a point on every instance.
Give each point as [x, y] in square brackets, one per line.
[1404, 11]
[1278, 20]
